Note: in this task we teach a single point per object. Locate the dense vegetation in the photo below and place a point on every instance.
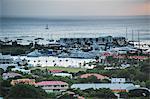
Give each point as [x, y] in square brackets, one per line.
[96, 93]
[24, 91]
[137, 73]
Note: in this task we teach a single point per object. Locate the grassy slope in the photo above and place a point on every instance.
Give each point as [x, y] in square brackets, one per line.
[73, 70]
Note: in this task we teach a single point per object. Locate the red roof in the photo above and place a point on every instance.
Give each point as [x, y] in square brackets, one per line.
[131, 57]
[106, 54]
[96, 75]
[55, 71]
[138, 57]
[51, 83]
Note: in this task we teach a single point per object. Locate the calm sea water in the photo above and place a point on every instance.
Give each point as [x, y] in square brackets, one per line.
[32, 28]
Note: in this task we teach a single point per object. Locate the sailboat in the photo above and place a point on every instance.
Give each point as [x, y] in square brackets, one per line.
[46, 27]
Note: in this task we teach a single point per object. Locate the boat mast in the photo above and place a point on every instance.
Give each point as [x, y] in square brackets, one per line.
[46, 27]
[132, 37]
[138, 39]
[139, 48]
[126, 32]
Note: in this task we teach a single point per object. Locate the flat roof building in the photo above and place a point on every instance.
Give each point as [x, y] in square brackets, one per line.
[53, 86]
[115, 87]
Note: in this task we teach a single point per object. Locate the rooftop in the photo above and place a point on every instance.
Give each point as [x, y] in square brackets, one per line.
[93, 74]
[112, 86]
[11, 74]
[51, 83]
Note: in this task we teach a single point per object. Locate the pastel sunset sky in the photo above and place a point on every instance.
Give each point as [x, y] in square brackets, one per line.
[52, 8]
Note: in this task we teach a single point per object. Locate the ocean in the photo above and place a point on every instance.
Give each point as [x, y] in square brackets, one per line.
[72, 27]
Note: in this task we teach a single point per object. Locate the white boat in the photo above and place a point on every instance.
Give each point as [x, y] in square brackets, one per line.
[35, 53]
[144, 45]
[81, 54]
[63, 55]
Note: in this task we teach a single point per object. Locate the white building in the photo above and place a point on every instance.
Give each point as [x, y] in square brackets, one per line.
[53, 86]
[144, 45]
[118, 80]
[35, 53]
[63, 75]
[6, 61]
[115, 87]
[55, 61]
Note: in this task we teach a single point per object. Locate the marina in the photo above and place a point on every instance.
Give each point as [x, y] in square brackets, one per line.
[74, 49]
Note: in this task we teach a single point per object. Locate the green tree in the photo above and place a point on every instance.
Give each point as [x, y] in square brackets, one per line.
[9, 68]
[4, 87]
[98, 93]
[147, 83]
[24, 91]
[1, 71]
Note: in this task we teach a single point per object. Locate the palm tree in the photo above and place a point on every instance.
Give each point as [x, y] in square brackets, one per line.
[46, 62]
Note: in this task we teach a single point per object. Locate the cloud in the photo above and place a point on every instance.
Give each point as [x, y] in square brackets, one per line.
[48, 8]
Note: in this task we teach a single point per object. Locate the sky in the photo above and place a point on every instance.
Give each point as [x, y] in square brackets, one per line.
[57, 8]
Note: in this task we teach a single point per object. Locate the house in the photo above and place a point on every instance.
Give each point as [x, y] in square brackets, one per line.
[21, 70]
[23, 81]
[118, 80]
[6, 76]
[115, 87]
[63, 75]
[53, 86]
[99, 40]
[55, 71]
[98, 76]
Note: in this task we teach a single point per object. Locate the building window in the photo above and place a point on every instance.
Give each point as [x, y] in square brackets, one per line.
[96, 39]
[103, 39]
[90, 39]
[55, 85]
[84, 39]
[62, 85]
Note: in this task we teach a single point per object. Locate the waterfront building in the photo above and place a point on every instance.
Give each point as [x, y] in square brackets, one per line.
[6, 61]
[120, 41]
[99, 40]
[53, 86]
[143, 45]
[108, 40]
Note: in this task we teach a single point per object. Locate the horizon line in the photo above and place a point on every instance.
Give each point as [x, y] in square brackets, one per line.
[76, 17]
